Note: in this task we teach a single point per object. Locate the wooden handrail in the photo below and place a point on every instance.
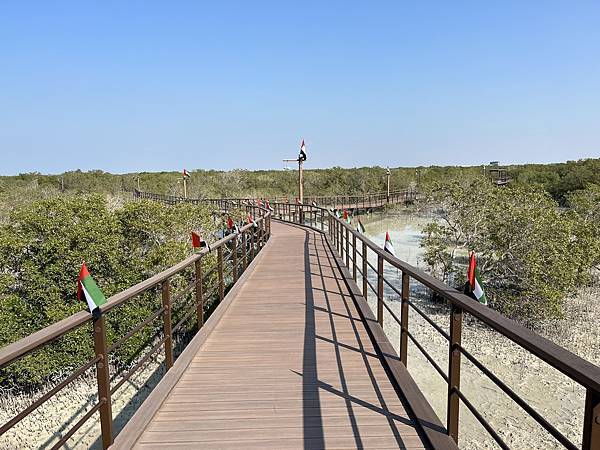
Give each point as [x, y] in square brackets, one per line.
[16, 350]
[573, 366]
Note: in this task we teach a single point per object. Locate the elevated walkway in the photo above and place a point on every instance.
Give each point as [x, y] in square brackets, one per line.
[286, 362]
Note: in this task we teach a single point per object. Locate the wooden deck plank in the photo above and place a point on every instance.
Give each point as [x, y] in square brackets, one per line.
[290, 364]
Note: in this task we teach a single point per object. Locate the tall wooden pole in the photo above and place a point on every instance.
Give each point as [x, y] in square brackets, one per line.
[184, 188]
[300, 180]
[388, 173]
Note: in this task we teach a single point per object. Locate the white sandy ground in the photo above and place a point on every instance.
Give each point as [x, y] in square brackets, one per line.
[552, 394]
[44, 427]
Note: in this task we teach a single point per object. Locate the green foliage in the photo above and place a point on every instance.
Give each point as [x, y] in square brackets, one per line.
[41, 249]
[530, 253]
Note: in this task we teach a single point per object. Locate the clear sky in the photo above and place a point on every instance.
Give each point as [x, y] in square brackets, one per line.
[147, 85]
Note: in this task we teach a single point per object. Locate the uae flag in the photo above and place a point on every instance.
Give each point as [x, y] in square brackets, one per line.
[251, 221]
[302, 155]
[230, 223]
[268, 206]
[388, 246]
[360, 227]
[198, 242]
[186, 174]
[87, 287]
[475, 286]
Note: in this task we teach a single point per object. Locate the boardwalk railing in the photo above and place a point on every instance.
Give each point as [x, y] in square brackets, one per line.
[354, 249]
[364, 201]
[201, 281]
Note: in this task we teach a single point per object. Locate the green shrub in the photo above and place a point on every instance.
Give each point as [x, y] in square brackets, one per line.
[41, 249]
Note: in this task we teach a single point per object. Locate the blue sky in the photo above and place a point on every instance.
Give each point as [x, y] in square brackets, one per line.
[165, 85]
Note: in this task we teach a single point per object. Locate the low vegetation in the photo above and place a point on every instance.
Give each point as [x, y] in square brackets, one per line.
[531, 253]
[42, 246]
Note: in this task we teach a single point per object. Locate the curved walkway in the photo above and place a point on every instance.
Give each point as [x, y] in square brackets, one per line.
[286, 363]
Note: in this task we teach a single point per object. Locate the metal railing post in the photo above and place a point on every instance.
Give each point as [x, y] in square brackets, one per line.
[591, 421]
[167, 327]
[380, 290]
[454, 372]
[103, 378]
[220, 270]
[199, 294]
[404, 319]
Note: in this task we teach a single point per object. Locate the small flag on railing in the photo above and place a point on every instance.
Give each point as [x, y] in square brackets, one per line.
[87, 287]
[230, 223]
[475, 287]
[252, 221]
[346, 216]
[186, 174]
[302, 155]
[268, 206]
[198, 242]
[360, 227]
[388, 246]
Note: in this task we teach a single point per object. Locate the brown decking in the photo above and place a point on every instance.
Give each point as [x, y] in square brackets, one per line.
[288, 364]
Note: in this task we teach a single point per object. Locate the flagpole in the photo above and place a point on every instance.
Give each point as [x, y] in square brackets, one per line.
[184, 187]
[388, 173]
[301, 180]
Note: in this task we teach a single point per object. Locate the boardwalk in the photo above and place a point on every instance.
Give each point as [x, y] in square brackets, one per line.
[287, 363]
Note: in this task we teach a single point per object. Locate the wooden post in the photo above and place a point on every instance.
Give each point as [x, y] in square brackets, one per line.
[354, 257]
[167, 328]
[220, 270]
[251, 243]
[301, 180]
[380, 290]
[199, 294]
[234, 258]
[388, 173]
[591, 421]
[364, 270]
[245, 252]
[454, 372]
[103, 378]
[184, 188]
[347, 248]
[404, 319]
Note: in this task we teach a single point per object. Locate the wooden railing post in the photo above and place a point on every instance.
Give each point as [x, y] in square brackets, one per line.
[404, 319]
[245, 250]
[103, 378]
[347, 247]
[454, 371]
[234, 256]
[354, 257]
[252, 251]
[220, 270]
[591, 421]
[364, 270]
[167, 327]
[380, 290]
[199, 294]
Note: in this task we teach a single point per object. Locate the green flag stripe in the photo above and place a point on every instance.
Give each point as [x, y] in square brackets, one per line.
[93, 290]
